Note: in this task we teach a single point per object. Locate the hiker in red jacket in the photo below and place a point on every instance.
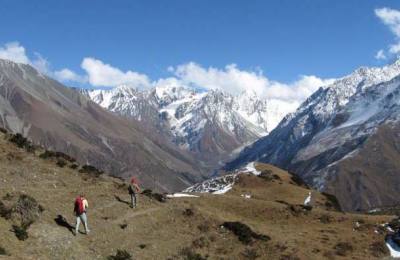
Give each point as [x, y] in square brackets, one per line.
[81, 206]
[133, 189]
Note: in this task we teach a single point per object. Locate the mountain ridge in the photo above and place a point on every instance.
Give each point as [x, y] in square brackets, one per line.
[213, 125]
[328, 128]
[60, 118]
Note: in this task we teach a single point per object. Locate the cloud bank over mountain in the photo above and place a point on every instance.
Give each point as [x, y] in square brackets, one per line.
[231, 78]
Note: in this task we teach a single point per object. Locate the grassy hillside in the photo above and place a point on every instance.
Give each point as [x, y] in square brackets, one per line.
[180, 228]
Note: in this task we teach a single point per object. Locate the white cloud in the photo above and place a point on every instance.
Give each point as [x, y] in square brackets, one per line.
[67, 75]
[380, 55]
[296, 91]
[394, 48]
[105, 75]
[230, 78]
[391, 18]
[235, 81]
[15, 52]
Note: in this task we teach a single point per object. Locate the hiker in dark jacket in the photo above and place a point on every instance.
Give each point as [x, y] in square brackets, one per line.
[80, 208]
[133, 189]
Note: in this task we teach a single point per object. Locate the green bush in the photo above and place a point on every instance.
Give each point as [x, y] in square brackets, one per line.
[22, 142]
[5, 212]
[121, 255]
[74, 166]
[157, 196]
[91, 170]
[20, 232]
[61, 163]
[269, 175]
[58, 155]
[188, 212]
[244, 232]
[2, 251]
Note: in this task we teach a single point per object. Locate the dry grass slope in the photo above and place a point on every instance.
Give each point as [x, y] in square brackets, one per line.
[181, 228]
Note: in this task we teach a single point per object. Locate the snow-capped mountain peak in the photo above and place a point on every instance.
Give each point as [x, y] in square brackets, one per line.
[198, 120]
[322, 140]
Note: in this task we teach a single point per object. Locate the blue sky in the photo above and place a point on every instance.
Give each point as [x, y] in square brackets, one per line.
[284, 39]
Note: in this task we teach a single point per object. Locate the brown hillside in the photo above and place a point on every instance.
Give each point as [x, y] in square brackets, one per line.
[180, 228]
[61, 119]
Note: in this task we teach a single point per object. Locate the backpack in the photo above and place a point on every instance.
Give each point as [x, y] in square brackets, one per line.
[79, 206]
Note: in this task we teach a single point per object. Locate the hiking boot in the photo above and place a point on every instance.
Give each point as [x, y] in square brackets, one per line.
[87, 232]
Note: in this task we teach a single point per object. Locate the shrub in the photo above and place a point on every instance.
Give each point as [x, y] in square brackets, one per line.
[188, 212]
[47, 154]
[22, 142]
[268, 175]
[3, 130]
[61, 163]
[28, 209]
[2, 251]
[74, 166]
[91, 170]
[20, 232]
[65, 157]
[342, 248]
[244, 232]
[123, 226]
[296, 210]
[157, 196]
[58, 155]
[5, 212]
[121, 255]
[188, 254]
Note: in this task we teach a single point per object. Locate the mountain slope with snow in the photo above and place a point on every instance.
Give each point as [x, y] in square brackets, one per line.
[212, 125]
[60, 118]
[321, 141]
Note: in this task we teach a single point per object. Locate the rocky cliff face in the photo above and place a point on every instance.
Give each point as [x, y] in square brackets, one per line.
[324, 139]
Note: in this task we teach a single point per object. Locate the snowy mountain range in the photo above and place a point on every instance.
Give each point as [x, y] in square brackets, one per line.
[342, 139]
[213, 125]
